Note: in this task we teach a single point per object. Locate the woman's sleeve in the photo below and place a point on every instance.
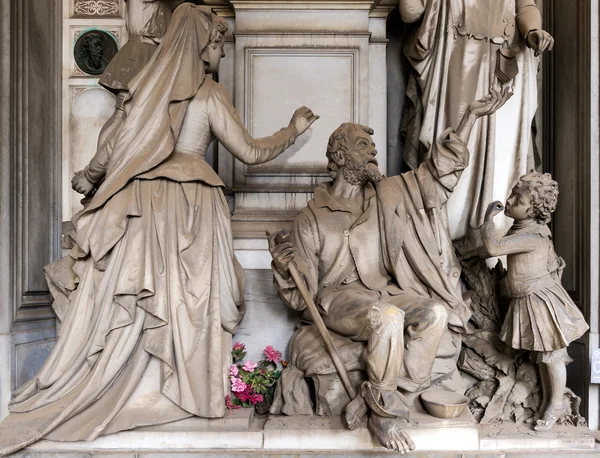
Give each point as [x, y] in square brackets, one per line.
[96, 169]
[227, 126]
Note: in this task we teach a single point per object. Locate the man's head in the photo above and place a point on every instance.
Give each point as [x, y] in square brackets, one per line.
[351, 150]
[92, 51]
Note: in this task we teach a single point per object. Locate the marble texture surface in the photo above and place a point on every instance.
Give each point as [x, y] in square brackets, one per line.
[521, 437]
[268, 321]
[5, 375]
[328, 433]
[90, 109]
[292, 437]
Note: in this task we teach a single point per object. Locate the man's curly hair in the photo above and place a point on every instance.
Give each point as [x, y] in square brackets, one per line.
[544, 195]
[338, 141]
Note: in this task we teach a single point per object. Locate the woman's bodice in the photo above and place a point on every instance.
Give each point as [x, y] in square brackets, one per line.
[195, 135]
[210, 114]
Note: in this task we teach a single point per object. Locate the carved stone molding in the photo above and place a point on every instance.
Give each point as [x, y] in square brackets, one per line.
[96, 8]
[76, 90]
[330, 69]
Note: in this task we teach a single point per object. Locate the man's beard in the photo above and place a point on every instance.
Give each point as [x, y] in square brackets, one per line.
[360, 174]
[96, 59]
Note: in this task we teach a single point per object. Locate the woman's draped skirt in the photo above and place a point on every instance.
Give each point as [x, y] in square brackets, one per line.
[147, 302]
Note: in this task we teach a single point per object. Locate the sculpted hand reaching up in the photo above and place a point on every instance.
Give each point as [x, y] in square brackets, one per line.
[302, 119]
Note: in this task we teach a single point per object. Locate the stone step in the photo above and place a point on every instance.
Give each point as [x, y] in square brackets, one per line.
[278, 436]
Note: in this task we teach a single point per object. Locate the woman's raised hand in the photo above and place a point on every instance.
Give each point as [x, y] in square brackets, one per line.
[302, 119]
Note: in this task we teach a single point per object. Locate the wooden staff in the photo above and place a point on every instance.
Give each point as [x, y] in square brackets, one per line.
[316, 316]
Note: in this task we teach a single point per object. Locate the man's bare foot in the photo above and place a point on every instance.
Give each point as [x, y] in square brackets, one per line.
[356, 411]
[390, 434]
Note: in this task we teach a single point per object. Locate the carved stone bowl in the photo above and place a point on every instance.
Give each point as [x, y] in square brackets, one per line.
[444, 404]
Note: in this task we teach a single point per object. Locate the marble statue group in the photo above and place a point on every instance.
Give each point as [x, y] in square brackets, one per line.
[151, 294]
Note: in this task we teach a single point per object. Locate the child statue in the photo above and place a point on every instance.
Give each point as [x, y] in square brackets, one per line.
[541, 318]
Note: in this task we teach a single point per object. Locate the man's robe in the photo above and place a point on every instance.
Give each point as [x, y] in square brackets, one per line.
[414, 228]
[417, 253]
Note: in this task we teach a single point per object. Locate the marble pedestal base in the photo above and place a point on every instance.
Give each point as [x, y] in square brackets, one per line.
[241, 434]
[234, 420]
[522, 437]
[313, 433]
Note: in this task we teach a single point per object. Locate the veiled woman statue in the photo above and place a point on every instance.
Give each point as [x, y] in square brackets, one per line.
[151, 294]
[454, 55]
[146, 22]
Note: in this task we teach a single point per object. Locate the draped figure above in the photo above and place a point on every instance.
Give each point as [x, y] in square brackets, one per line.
[453, 54]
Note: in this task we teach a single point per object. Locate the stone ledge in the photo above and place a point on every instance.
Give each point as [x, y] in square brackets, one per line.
[320, 436]
[521, 437]
[312, 433]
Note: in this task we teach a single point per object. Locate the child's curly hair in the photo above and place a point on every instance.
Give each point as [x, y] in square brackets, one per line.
[544, 195]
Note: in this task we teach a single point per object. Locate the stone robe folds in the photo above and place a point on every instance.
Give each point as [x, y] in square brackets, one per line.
[415, 246]
[415, 261]
[150, 295]
[454, 57]
[147, 22]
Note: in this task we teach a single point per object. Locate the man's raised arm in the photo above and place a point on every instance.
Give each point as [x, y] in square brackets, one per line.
[449, 155]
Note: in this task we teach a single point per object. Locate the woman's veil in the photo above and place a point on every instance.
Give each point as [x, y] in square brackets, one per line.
[157, 102]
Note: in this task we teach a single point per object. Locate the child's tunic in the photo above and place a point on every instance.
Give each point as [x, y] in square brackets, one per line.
[542, 317]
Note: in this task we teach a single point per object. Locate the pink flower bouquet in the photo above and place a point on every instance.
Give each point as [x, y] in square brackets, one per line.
[253, 383]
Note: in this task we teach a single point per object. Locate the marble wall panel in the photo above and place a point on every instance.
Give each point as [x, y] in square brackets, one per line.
[274, 75]
[29, 358]
[268, 321]
[280, 80]
[281, 19]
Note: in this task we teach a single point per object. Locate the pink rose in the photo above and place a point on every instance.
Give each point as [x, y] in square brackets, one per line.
[230, 405]
[255, 398]
[249, 366]
[237, 385]
[238, 346]
[245, 396]
[233, 371]
[272, 355]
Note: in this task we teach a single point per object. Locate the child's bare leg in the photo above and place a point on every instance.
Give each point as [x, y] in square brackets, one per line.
[544, 378]
[557, 380]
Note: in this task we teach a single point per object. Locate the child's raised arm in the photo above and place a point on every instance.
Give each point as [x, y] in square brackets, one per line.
[509, 244]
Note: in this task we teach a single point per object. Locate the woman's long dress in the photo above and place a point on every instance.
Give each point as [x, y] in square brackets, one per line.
[147, 316]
